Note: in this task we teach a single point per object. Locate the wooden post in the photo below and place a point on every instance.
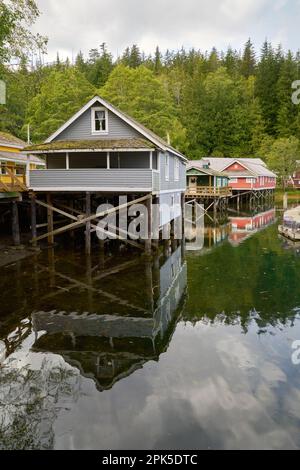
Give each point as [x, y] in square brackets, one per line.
[15, 224]
[50, 220]
[33, 218]
[156, 223]
[183, 215]
[88, 225]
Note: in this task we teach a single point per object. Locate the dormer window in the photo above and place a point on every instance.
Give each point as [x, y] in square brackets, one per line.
[99, 121]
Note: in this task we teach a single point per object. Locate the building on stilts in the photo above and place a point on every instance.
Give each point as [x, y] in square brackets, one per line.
[250, 180]
[96, 157]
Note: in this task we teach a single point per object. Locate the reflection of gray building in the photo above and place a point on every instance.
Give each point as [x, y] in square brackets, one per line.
[110, 347]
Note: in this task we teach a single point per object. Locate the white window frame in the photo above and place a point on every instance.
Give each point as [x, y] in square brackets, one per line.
[233, 180]
[249, 180]
[167, 167]
[93, 113]
[176, 169]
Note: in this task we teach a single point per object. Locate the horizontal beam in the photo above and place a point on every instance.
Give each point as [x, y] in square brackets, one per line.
[80, 189]
[104, 151]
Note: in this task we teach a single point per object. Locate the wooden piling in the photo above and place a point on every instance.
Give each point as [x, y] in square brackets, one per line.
[50, 220]
[15, 224]
[88, 225]
[33, 218]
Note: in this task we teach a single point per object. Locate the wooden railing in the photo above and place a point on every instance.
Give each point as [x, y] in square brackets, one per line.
[10, 183]
[208, 191]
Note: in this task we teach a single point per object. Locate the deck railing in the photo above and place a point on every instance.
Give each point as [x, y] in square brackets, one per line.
[209, 191]
[11, 183]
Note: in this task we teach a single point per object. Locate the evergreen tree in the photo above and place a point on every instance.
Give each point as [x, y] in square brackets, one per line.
[135, 58]
[266, 86]
[231, 61]
[248, 62]
[157, 61]
[80, 62]
[287, 113]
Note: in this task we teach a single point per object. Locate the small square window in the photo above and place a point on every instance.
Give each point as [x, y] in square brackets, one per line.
[99, 121]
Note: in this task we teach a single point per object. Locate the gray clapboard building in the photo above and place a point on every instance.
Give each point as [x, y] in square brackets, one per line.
[101, 150]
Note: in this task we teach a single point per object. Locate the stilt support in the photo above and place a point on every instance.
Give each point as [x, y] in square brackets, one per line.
[88, 225]
[50, 221]
[15, 224]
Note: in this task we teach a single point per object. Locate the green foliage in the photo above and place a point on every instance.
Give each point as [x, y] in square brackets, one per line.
[224, 116]
[16, 19]
[140, 94]
[62, 94]
[282, 157]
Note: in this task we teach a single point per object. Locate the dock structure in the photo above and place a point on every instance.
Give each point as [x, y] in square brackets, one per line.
[102, 156]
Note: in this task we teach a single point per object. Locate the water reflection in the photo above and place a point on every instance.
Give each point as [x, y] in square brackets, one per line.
[245, 225]
[214, 231]
[116, 353]
[109, 347]
[49, 358]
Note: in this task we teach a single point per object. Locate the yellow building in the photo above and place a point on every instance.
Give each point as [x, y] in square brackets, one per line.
[15, 165]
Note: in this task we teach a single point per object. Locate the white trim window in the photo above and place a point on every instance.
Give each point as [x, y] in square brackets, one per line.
[249, 180]
[99, 121]
[167, 167]
[176, 169]
[233, 180]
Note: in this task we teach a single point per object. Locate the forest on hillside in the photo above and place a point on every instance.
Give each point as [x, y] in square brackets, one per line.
[207, 103]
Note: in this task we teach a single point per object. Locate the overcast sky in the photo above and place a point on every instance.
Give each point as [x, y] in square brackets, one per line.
[74, 25]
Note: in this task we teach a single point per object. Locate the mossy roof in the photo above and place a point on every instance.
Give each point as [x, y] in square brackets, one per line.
[9, 139]
[91, 145]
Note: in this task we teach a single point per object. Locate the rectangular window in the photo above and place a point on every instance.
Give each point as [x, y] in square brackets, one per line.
[176, 170]
[233, 180]
[155, 161]
[167, 167]
[3, 168]
[20, 170]
[249, 180]
[99, 121]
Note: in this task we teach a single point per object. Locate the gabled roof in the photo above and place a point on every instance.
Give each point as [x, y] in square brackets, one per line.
[9, 140]
[151, 136]
[198, 165]
[256, 166]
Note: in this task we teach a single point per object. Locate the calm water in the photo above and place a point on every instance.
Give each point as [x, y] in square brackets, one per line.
[192, 351]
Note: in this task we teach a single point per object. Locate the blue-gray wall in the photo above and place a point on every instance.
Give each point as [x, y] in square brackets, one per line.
[81, 129]
[172, 184]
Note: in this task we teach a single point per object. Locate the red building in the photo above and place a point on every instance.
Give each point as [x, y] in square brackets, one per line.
[245, 173]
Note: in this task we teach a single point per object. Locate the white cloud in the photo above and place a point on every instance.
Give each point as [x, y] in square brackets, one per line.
[74, 25]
